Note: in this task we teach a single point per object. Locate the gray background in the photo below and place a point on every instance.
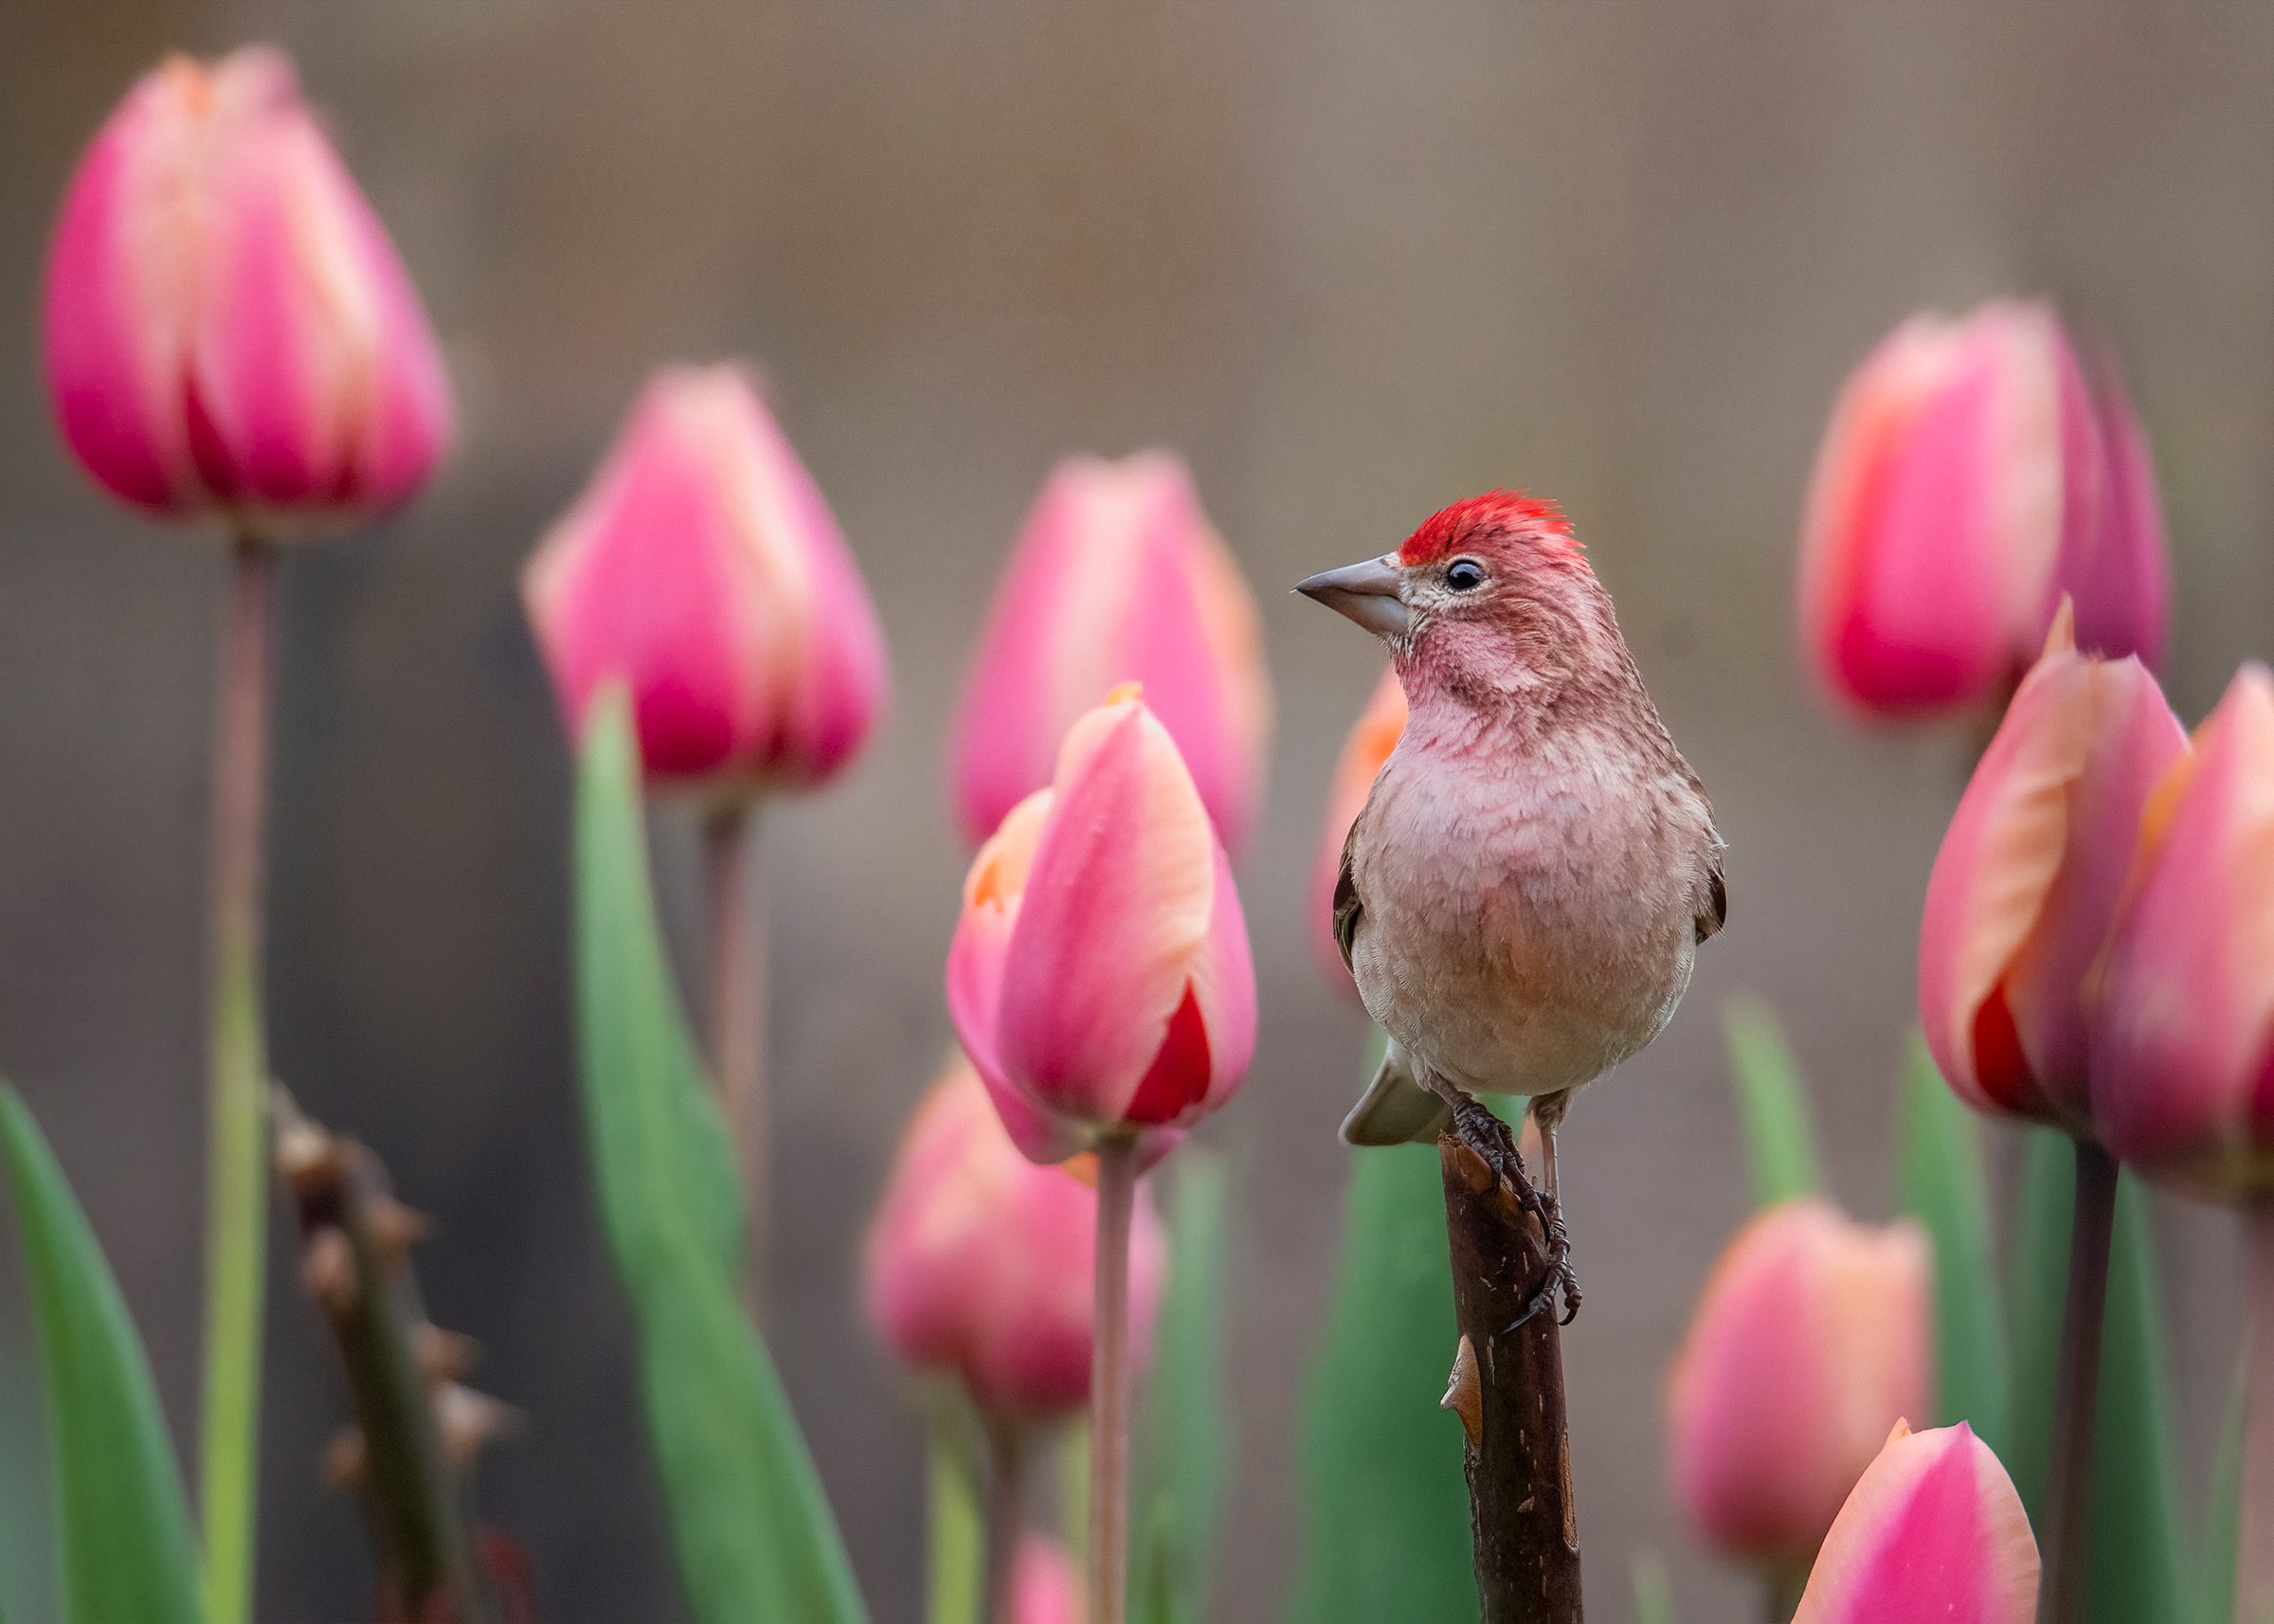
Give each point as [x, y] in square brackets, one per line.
[1354, 261]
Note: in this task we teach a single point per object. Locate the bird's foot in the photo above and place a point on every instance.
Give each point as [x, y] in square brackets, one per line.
[1481, 1128]
[1561, 1275]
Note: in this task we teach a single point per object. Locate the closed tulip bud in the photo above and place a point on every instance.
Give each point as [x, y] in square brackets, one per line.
[979, 1261]
[1045, 1589]
[227, 330]
[2028, 882]
[1934, 1534]
[2183, 1050]
[1369, 745]
[1811, 1339]
[1117, 576]
[1970, 478]
[1099, 977]
[703, 570]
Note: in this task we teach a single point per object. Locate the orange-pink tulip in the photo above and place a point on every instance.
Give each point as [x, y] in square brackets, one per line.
[1100, 977]
[704, 570]
[1371, 740]
[1117, 576]
[1813, 1338]
[226, 327]
[979, 1262]
[2029, 879]
[1970, 478]
[2183, 1051]
[1934, 1534]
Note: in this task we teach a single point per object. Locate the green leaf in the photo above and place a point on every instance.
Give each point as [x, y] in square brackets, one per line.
[1653, 1590]
[1780, 1137]
[2223, 1517]
[1385, 1507]
[2138, 1571]
[1940, 1181]
[123, 1523]
[1184, 1454]
[755, 1541]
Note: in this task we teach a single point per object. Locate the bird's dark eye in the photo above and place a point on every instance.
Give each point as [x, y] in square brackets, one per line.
[1465, 575]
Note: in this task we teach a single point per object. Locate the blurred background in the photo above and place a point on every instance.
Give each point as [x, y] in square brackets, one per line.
[1354, 261]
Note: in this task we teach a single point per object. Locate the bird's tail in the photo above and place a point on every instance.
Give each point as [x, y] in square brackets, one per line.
[1395, 1108]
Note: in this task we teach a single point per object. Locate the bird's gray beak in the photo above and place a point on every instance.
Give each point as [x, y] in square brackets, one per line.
[1367, 593]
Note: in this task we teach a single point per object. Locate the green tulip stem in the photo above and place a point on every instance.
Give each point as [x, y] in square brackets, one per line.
[954, 1566]
[1109, 1384]
[734, 909]
[2254, 1545]
[237, 1156]
[2076, 1385]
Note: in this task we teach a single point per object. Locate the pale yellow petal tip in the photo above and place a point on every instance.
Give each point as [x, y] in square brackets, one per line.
[1127, 694]
[1901, 1431]
[2060, 638]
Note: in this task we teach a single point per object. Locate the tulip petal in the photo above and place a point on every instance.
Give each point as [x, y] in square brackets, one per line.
[1933, 1532]
[1117, 576]
[1810, 1340]
[1118, 907]
[2029, 878]
[2181, 1056]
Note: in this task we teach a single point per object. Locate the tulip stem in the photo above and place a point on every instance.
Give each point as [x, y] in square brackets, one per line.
[1109, 1384]
[1006, 1514]
[955, 1566]
[236, 1150]
[2254, 1546]
[736, 908]
[2077, 1386]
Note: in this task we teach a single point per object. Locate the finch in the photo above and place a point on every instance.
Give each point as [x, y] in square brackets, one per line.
[1523, 894]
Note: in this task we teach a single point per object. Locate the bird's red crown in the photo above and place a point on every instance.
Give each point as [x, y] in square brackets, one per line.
[1495, 516]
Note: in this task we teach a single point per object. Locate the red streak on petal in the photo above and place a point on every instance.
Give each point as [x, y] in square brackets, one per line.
[2000, 1066]
[1179, 1077]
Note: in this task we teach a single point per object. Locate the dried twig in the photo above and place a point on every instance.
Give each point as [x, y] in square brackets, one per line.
[417, 1426]
[1508, 1388]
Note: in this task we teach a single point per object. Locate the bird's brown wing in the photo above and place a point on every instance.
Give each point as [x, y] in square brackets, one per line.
[1710, 918]
[1346, 906]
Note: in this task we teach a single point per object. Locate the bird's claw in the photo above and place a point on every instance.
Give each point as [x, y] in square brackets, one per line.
[1483, 1130]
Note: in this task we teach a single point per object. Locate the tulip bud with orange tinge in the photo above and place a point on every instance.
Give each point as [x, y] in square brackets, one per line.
[1813, 1337]
[1045, 1589]
[703, 568]
[979, 1262]
[1100, 978]
[2028, 882]
[1972, 477]
[1117, 576]
[1369, 745]
[2183, 1045]
[1934, 1534]
[226, 328]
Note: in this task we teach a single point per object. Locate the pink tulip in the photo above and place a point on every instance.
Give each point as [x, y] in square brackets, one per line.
[1813, 1338]
[1970, 478]
[1371, 740]
[1117, 576]
[702, 568]
[1100, 977]
[1045, 1589]
[2028, 878]
[979, 1261]
[2183, 1051]
[226, 328]
[1934, 1534]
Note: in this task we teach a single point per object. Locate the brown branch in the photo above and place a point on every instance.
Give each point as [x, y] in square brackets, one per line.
[418, 1427]
[1508, 1388]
